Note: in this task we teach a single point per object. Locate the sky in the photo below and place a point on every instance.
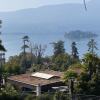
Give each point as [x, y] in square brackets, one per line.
[12, 5]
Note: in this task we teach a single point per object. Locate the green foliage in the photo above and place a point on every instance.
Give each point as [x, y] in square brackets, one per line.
[51, 96]
[13, 65]
[92, 62]
[88, 57]
[92, 46]
[58, 63]
[74, 71]
[30, 97]
[44, 97]
[82, 85]
[38, 51]
[7, 97]
[48, 96]
[87, 86]
[74, 51]
[2, 48]
[69, 74]
[61, 62]
[96, 84]
[36, 67]
[88, 82]
[8, 92]
[9, 89]
[60, 96]
[58, 48]
[78, 66]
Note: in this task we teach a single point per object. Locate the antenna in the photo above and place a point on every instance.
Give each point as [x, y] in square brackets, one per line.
[85, 5]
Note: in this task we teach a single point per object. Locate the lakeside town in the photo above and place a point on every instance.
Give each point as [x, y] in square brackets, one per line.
[32, 75]
[61, 76]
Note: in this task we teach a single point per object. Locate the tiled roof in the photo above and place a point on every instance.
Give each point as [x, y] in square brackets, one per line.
[28, 79]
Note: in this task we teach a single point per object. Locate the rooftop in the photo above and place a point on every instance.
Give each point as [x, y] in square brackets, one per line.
[42, 77]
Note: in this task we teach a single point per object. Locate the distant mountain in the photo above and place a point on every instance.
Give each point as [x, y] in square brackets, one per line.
[48, 24]
[54, 19]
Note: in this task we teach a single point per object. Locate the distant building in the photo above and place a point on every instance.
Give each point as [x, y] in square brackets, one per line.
[38, 82]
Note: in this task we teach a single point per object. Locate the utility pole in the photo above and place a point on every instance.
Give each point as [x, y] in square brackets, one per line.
[85, 5]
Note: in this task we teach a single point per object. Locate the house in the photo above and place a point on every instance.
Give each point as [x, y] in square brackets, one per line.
[38, 82]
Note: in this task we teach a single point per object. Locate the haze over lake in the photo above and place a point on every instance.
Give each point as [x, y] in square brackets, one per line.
[48, 24]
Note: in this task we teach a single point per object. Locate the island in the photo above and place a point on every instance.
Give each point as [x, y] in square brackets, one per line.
[79, 35]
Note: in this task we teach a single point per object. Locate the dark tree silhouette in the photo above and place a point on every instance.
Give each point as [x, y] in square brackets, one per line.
[24, 47]
[74, 51]
[58, 48]
[92, 46]
[2, 56]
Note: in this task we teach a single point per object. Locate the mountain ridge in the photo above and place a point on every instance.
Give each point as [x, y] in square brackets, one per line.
[52, 18]
[49, 24]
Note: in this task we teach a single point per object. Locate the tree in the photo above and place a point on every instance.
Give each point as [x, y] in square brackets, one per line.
[69, 74]
[61, 62]
[74, 51]
[58, 48]
[92, 46]
[87, 86]
[12, 66]
[2, 48]
[2, 56]
[9, 89]
[92, 61]
[90, 80]
[74, 71]
[24, 47]
[9, 92]
[38, 51]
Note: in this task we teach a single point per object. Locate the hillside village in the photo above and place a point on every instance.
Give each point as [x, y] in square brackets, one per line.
[35, 74]
[65, 76]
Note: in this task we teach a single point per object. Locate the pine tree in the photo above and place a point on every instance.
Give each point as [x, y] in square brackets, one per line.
[74, 51]
[92, 46]
[2, 56]
[24, 47]
[58, 48]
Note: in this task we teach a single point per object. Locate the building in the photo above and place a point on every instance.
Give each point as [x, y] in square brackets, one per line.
[37, 82]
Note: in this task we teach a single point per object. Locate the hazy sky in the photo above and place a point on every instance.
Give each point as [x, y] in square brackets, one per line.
[10, 5]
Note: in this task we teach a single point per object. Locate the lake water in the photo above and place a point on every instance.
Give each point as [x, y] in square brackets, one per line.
[13, 43]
